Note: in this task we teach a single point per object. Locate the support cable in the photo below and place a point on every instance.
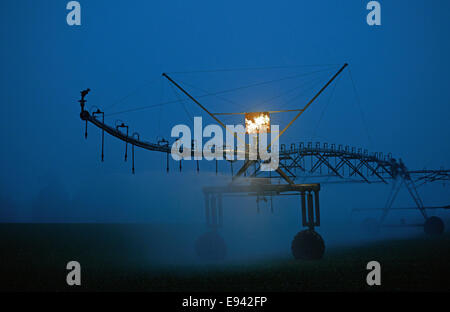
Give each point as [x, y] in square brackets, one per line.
[326, 106]
[131, 93]
[182, 103]
[215, 93]
[358, 102]
[250, 68]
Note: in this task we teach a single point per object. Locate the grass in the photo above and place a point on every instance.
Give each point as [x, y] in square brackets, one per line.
[113, 257]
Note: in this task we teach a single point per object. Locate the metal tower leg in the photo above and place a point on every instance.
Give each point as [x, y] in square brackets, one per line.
[310, 209]
[391, 198]
[415, 195]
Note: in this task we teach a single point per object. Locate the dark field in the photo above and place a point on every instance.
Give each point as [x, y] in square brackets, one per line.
[140, 257]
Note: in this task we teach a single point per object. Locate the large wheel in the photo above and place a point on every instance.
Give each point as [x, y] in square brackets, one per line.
[434, 226]
[211, 247]
[308, 245]
[370, 226]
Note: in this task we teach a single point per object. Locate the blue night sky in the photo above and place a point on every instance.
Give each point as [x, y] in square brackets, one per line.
[401, 71]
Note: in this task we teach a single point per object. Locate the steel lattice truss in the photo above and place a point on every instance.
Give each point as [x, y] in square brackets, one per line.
[336, 164]
[326, 163]
[300, 163]
[426, 176]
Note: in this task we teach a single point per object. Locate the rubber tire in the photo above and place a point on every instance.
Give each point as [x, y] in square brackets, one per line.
[308, 245]
[211, 247]
[434, 226]
[370, 226]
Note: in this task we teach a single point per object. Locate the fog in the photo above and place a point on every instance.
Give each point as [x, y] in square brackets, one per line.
[166, 218]
[50, 173]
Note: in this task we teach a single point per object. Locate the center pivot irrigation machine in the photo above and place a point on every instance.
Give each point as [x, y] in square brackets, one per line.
[297, 161]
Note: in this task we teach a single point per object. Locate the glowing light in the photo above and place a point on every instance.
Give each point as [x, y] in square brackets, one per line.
[257, 122]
